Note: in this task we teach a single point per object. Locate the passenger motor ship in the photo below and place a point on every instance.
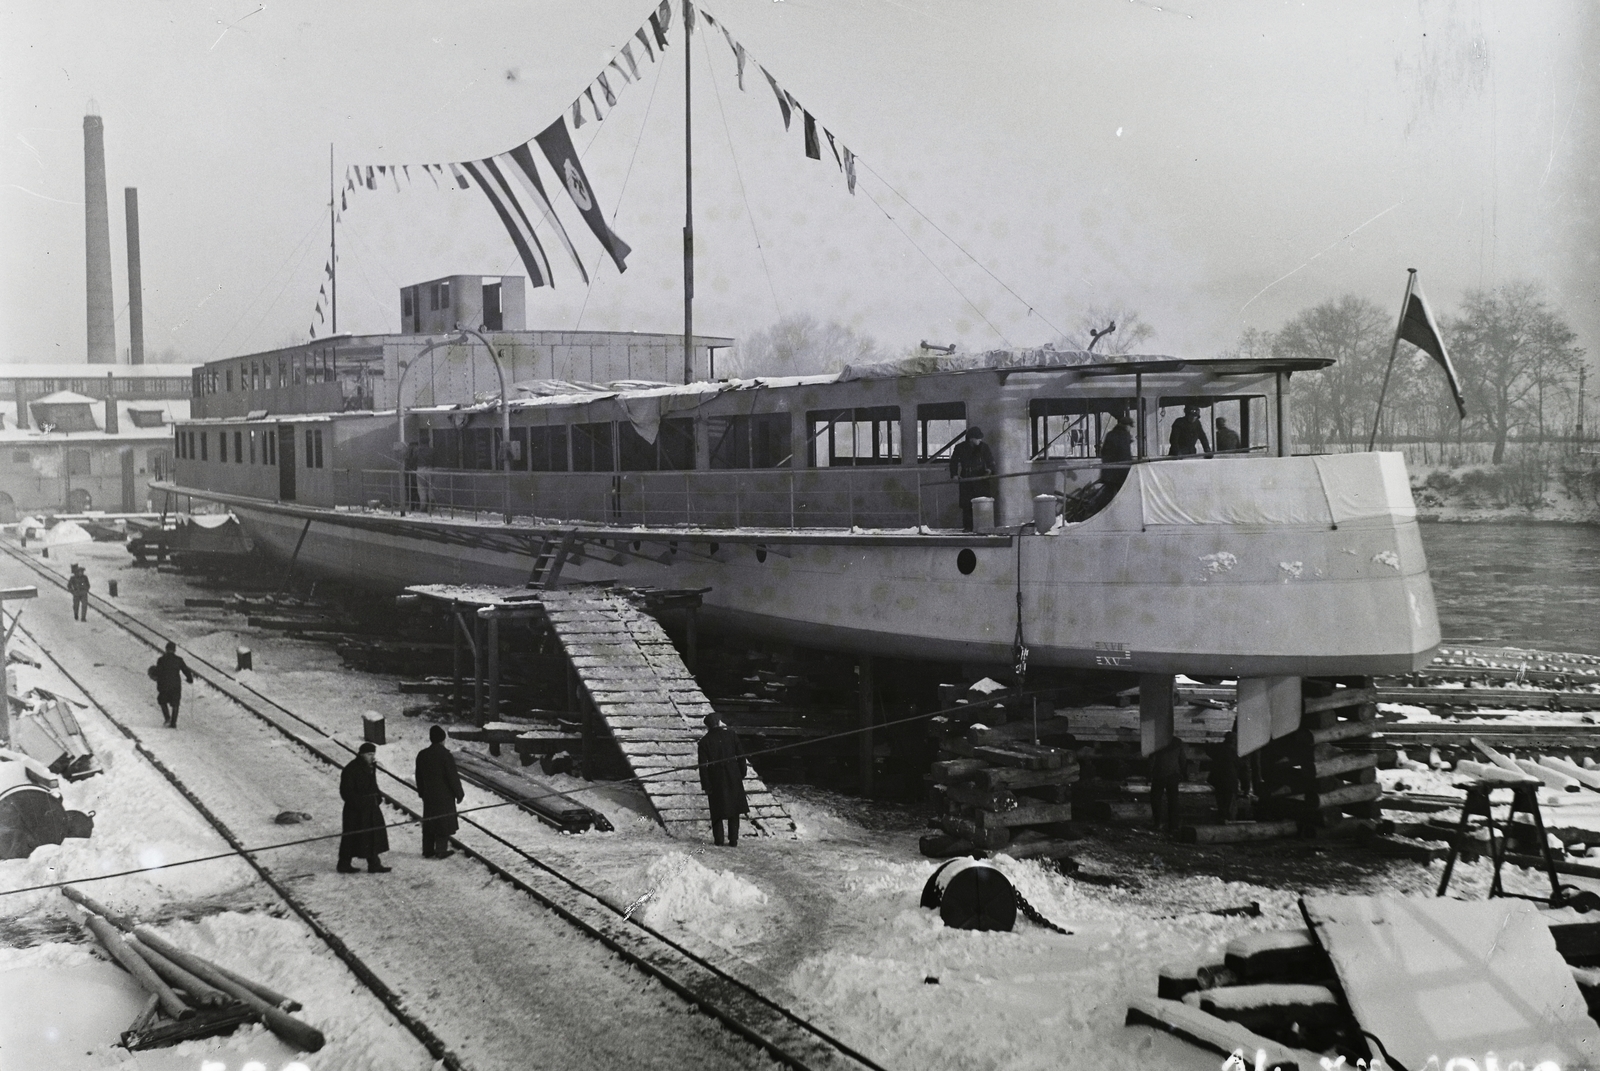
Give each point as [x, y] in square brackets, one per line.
[819, 509]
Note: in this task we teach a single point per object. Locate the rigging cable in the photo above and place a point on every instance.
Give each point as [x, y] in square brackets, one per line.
[637, 141]
[297, 254]
[1025, 303]
[727, 133]
[930, 260]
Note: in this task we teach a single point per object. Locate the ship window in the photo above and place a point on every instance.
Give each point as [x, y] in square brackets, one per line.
[271, 438]
[865, 436]
[313, 448]
[478, 448]
[547, 449]
[1245, 416]
[672, 450]
[759, 441]
[252, 446]
[238, 448]
[283, 373]
[297, 369]
[203, 438]
[405, 303]
[1071, 427]
[222, 446]
[940, 426]
[591, 447]
[227, 380]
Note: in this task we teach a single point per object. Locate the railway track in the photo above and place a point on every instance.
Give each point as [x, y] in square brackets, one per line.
[722, 990]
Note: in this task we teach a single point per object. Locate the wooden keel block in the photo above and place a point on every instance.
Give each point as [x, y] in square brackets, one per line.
[1276, 955]
[1239, 832]
[1218, 1035]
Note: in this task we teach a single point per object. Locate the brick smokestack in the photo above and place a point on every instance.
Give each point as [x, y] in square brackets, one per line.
[97, 243]
[135, 285]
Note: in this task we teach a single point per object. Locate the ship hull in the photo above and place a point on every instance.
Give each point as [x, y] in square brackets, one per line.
[1165, 580]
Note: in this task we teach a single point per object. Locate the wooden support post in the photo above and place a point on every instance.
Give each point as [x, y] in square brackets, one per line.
[865, 711]
[1155, 711]
[492, 641]
[477, 670]
[691, 638]
[288, 574]
[455, 661]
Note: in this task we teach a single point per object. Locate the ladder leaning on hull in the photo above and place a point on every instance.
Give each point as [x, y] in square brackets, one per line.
[644, 694]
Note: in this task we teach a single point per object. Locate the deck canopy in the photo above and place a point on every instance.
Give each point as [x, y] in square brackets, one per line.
[1081, 361]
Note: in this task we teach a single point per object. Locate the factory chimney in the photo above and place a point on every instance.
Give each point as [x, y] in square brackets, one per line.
[97, 242]
[135, 285]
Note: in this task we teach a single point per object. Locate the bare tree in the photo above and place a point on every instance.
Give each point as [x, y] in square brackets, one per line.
[1128, 329]
[800, 345]
[1513, 353]
[1253, 344]
[1337, 404]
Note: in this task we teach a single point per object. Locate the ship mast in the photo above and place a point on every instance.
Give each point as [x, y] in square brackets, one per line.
[333, 251]
[688, 207]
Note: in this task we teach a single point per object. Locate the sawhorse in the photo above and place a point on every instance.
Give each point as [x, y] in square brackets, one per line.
[1524, 799]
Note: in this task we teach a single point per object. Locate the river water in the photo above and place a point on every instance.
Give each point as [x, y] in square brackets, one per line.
[1518, 585]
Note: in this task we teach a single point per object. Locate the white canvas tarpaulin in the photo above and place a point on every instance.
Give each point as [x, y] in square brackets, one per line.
[1290, 491]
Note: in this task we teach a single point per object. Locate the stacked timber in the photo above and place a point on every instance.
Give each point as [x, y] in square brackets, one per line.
[1324, 768]
[994, 787]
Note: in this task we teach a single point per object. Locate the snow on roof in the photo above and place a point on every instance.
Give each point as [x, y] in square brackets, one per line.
[63, 397]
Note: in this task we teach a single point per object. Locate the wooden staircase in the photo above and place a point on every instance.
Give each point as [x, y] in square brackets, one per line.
[640, 689]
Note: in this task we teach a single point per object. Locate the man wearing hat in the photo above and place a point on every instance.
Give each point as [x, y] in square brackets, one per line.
[364, 832]
[440, 788]
[722, 767]
[1117, 450]
[972, 463]
[1188, 434]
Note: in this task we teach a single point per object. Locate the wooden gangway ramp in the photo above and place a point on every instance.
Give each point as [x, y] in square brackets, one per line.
[648, 700]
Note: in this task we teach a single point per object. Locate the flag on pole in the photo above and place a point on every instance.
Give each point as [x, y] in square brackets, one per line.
[1417, 326]
[557, 146]
[519, 162]
[688, 16]
[487, 177]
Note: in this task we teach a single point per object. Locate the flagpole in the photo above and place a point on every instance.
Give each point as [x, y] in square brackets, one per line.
[1394, 347]
[333, 249]
[688, 209]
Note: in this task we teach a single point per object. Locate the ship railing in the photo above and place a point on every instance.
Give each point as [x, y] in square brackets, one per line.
[875, 497]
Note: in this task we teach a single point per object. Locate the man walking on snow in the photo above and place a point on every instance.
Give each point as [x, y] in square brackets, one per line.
[722, 767]
[440, 788]
[167, 671]
[364, 832]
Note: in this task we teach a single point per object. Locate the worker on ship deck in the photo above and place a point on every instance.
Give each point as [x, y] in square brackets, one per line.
[1188, 434]
[972, 464]
[1116, 449]
[1227, 438]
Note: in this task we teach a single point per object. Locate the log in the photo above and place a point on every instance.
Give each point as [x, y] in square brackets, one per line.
[1346, 730]
[1346, 762]
[988, 837]
[1554, 779]
[84, 900]
[285, 1026]
[1489, 772]
[193, 986]
[1346, 796]
[985, 799]
[1238, 832]
[1505, 762]
[131, 962]
[1039, 814]
[954, 771]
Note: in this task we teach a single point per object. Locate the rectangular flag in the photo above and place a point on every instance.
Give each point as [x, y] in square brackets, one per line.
[813, 147]
[1417, 327]
[644, 39]
[834, 146]
[605, 87]
[488, 178]
[577, 113]
[461, 180]
[519, 162]
[659, 28]
[627, 54]
[849, 168]
[557, 146]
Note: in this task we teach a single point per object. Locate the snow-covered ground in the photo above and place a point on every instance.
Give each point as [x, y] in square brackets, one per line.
[827, 921]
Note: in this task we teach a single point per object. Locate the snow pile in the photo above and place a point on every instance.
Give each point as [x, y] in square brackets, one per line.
[67, 532]
[716, 905]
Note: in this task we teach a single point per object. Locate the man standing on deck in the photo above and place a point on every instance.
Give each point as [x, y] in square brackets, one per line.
[1188, 434]
[364, 832]
[440, 788]
[78, 586]
[722, 768]
[1227, 438]
[972, 463]
[1116, 449]
[167, 671]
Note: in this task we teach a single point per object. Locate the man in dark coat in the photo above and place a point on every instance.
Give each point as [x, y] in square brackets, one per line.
[440, 788]
[364, 832]
[169, 673]
[972, 463]
[1117, 449]
[1227, 438]
[1188, 434]
[1168, 767]
[722, 767]
[78, 586]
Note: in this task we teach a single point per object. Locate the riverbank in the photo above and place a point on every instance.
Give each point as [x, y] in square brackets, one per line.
[1528, 490]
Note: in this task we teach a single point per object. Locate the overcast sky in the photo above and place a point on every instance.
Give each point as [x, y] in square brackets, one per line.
[1214, 165]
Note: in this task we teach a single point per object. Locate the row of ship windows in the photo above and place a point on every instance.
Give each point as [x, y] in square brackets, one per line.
[1059, 428]
[266, 374]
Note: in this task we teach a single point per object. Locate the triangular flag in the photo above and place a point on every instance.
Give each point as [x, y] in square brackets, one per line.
[577, 113]
[313, 330]
[372, 180]
[1417, 327]
[738, 57]
[622, 74]
[644, 39]
[813, 148]
[627, 54]
[850, 168]
[589, 92]
[783, 103]
[428, 169]
[829, 135]
[327, 269]
[322, 291]
[394, 173]
[344, 206]
[319, 312]
[707, 16]
[407, 170]
[659, 28]
[605, 87]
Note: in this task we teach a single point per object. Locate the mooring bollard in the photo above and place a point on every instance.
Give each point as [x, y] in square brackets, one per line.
[246, 660]
[372, 728]
[111, 588]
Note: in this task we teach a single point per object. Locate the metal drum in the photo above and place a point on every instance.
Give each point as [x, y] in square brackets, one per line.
[971, 894]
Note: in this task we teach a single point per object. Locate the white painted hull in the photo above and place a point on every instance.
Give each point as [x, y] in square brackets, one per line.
[1143, 586]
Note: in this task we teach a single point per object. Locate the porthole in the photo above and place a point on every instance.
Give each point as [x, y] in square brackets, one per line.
[761, 554]
[966, 561]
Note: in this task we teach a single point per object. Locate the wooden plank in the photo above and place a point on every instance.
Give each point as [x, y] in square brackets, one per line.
[1345, 763]
[1039, 814]
[1347, 730]
[1218, 1035]
[1014, 777]
[1238, 832]
[1455, 979]
[1339, 700]
[1344, 797]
